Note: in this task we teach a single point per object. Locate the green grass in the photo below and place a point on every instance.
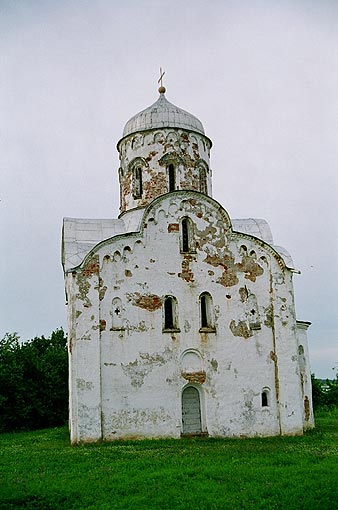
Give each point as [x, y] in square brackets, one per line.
[41, 471]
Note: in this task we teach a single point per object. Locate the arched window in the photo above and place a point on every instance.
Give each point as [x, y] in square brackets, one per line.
[171, 176]
[206, 312]
[203, 180]
[185, 234]
[187, 244]
[137, 184]
[170, 313]
[265, 398]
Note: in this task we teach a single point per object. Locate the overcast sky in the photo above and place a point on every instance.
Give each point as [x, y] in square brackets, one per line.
[260, 75]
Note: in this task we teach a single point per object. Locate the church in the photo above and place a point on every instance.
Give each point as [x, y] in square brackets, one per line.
[181, 320]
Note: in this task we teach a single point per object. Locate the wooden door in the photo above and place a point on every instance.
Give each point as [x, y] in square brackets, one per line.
[191, 411]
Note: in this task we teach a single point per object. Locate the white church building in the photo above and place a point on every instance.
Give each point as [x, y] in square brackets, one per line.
[181, 320]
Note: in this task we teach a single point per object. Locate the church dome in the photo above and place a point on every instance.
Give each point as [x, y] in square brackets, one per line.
[162, 114]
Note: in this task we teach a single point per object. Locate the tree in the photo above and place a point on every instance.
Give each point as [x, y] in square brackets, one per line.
[317, 392]
[331, 394]
[324, 393]
[33, 382]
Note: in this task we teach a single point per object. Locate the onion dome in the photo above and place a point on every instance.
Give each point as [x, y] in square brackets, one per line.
[162, 114]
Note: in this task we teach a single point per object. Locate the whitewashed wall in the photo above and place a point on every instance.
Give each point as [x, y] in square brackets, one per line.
[127, 375]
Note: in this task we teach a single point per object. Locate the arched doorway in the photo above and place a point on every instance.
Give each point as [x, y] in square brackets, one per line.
[191, 411]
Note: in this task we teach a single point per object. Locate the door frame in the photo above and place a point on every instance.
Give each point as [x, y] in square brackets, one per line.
[204, 431]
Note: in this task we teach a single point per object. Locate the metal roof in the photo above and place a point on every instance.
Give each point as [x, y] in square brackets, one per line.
[160, 115]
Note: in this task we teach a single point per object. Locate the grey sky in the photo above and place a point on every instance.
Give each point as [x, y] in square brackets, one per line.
[260, 75]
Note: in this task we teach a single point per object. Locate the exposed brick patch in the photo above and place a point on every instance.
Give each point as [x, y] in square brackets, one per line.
[102, 293]
[92, 267]
[173, 227]
[150, 302]
[250, 267]
[194, 377]
[186, 273]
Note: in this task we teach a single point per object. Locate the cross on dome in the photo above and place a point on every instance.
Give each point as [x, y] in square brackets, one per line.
[161, 88]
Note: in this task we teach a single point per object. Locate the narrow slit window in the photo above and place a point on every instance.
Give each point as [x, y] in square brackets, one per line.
[206, 311]
[204, 315]
[138, 182]
[185, 235]
[168, 313]
[171, 171]
[265, 400]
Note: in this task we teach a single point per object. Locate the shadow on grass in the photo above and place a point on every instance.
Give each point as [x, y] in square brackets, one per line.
[35, 502]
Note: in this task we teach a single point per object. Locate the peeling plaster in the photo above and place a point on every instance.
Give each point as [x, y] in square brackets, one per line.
[149, 302]
[241, 329]
[138, 369]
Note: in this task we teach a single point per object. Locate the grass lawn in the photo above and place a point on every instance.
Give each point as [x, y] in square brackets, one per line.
[41, 471]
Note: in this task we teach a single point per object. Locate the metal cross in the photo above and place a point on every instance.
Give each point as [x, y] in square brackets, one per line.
[162, 73]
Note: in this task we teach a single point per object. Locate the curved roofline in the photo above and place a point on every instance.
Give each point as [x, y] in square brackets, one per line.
[223, 212]
[197, 194]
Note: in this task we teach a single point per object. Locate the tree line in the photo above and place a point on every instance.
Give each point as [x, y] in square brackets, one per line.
[34, 383]
[324, 392]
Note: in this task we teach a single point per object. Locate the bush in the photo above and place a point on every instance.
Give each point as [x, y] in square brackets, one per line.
[317, 392]
[33, 382]
[324, 393]
[331, 394]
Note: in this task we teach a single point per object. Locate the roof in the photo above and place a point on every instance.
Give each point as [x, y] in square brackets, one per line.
[81, 235]
[260, 228]
[255, 227]
[163, 114]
